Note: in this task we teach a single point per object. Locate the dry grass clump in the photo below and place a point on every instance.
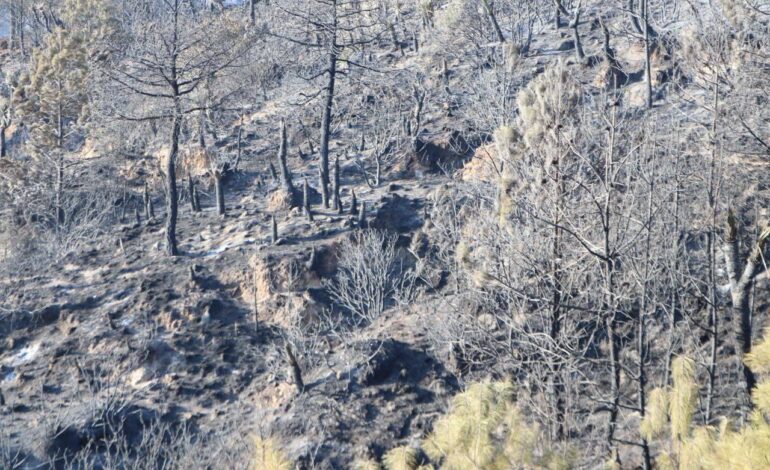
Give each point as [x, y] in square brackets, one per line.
[280, 201]
[482, 167]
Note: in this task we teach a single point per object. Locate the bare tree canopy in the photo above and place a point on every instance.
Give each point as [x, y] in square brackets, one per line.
[384, 234]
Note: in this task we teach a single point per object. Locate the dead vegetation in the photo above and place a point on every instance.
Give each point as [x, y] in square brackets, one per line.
[433, 234]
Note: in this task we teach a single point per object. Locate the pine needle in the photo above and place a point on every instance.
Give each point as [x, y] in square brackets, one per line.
[656, 415]
[401, 458]
[268, 456]
[684, 397]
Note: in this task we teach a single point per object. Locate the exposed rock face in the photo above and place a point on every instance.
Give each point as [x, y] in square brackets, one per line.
[287, 284]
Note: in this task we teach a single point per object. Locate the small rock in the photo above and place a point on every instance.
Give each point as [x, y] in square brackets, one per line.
[20, 408]
[47, 315]
[567, 45]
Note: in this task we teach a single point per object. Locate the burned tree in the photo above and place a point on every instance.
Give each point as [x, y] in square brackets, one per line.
[337, 202]
[293, 369]
[176, 52]
[741, 275]
[334, 30]
[287, 186]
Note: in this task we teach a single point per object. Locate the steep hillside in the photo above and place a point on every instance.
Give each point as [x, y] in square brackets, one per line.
[397, 200]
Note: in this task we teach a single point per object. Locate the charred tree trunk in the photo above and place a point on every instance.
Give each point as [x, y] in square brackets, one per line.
[256, 303]
[394, 37]
[579, 54]
[337, 203]
[274, 229]
[493, 19]
[3, 144]
[377, 170]
[294, 370]
[635, 19]
[306, 201]
[647, 46]
[362, 223]
[273, 173]
[610, 295]
[60, 189]
[286, 182]
[741, 281]
[641, 335]
[146, 201]
[560, 10]
[220, 193]
[239, 148]
[326, 124]
[416, 123]
[192, 192]
[308, 140]
[171, 193]
[60, 166]
[202, 130]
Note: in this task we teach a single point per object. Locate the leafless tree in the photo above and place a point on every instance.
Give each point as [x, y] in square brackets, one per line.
[335, 31]
[371, 277]
[175, 53]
